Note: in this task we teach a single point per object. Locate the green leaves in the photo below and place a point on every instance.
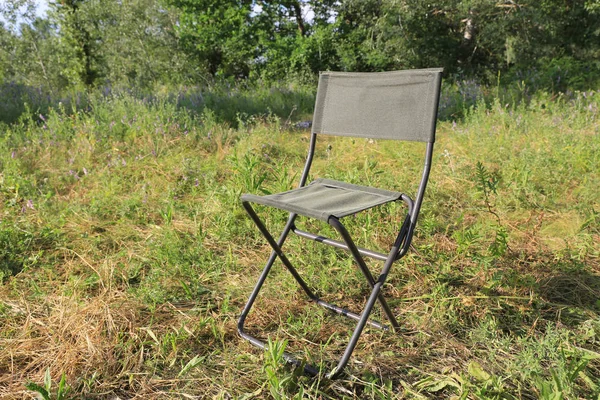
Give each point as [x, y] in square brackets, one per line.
[46, 391]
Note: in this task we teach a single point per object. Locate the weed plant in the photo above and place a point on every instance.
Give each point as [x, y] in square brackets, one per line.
[125, 256]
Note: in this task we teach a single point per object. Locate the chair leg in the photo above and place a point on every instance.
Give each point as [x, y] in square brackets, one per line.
[277, 252]
[337, 371]
[362, 319]
[375, 295]
[337, 225]
[310, 370]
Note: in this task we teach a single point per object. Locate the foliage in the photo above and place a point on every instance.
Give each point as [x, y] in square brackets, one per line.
[46, 391]
[93, 42]
[472, 38]
[543, 45]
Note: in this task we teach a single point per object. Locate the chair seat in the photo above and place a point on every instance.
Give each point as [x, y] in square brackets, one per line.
[326, 198]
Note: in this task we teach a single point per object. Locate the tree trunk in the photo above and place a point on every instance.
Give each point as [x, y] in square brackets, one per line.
[298, 14]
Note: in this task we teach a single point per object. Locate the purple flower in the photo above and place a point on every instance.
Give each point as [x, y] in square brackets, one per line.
[30, 204]
[42, 118]
[85, 172]
[196, 183]
[13, 154]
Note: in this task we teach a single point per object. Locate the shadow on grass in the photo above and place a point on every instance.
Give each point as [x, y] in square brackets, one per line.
[576, 290]
[560, 282]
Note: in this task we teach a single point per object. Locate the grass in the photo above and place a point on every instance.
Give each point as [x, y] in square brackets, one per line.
[125, 256]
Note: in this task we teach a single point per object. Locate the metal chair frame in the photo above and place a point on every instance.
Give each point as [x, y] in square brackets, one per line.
[399, 248]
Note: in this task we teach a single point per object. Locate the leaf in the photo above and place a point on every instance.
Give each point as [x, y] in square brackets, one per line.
[254, 394]
[477, 372]
[431, 385]
[442, 384]
[60, 394]
[47, 380]
[191, 364]
[152, 335]
[34, 387]
[62, 389]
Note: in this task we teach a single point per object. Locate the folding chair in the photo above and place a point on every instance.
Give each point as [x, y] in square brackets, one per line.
[400, 105]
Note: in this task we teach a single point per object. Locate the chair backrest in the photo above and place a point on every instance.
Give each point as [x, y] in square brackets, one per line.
[399, 105]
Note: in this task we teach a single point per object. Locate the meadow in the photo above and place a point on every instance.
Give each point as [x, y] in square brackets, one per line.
[126, 257]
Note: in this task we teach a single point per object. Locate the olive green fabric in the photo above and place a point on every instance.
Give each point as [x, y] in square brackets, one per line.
[398, 105]
[325, 198]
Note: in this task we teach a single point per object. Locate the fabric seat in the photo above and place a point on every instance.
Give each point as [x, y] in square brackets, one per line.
[324, 198]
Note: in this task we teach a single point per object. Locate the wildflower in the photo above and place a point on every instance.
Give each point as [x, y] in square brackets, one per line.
[13, 154]
[85, 172]
[42, 118]
[28, 205]
[196, 183]
[303, 124]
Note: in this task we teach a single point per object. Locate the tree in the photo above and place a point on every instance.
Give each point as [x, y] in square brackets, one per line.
[219, 33]
[242, 38]
[131, 43]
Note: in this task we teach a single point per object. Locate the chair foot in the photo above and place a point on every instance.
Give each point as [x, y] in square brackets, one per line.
[308, 369]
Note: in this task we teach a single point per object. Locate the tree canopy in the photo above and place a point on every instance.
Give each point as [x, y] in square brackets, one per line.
[144, 42]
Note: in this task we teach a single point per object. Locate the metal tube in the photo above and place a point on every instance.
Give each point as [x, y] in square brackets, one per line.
[337, 225]
[263, 276]
[277, 249]
[350, 314]
[365, 252]
[309, 158]
[418, 200]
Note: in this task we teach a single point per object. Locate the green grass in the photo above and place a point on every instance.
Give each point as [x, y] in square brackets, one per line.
[125, 255]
